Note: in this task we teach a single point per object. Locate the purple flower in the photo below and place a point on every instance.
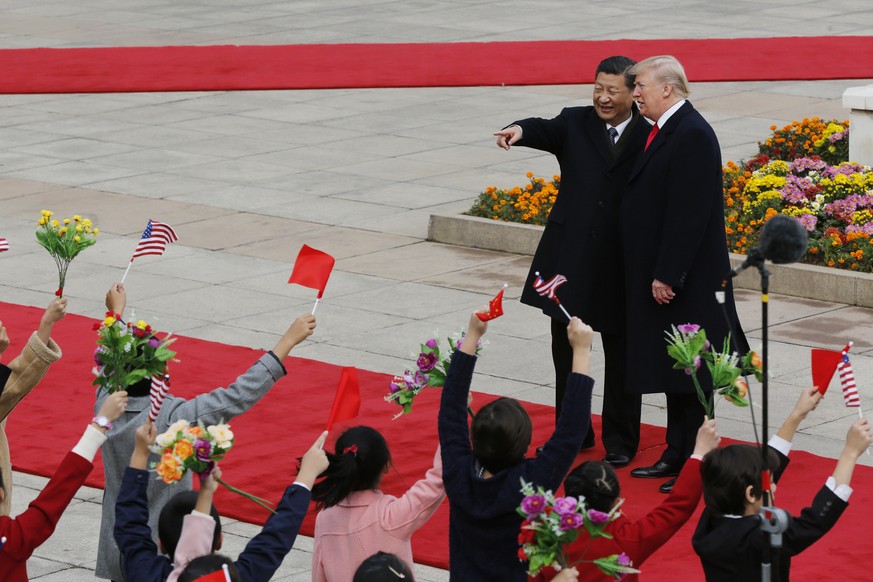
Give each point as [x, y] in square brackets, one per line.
[624, 560]
[393, 387]
[688, 328]
[565, 505]
[808, 221]
[426, 362]
[431, 343]
[598, 517]
[571, 521]
[696, 362]
[533, 505]
[421, 379]
[154, 343]
[202, 449]
[210, 467]
[97, 353]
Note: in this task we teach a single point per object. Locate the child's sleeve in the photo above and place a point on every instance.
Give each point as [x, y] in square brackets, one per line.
[641, 538]
[132, 532]
[264, 553]
[223, 404]
[26, 371]
[403, 516]
[198, 529]
[813, 522]
[559, 452]
[454, 433]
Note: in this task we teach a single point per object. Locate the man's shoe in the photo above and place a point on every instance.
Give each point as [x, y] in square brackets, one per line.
[668, 486]
[617, 460]
[656, 471]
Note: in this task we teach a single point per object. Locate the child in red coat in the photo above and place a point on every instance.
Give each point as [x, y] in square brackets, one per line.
[29, 530]
[639, 539]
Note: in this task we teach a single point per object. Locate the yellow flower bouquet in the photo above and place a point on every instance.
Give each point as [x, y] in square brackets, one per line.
[64, 240]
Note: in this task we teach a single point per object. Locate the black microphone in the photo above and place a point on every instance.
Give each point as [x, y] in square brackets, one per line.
[783, 240]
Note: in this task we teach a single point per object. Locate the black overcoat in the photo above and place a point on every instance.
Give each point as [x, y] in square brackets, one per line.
[672, 229]
[581, 239]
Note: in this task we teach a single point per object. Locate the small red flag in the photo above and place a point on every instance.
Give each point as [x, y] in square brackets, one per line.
[495, 307]
[347, 402]
[824, 364]
[312, 269]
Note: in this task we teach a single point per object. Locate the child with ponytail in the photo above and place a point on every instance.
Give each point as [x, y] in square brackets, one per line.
[356, 519]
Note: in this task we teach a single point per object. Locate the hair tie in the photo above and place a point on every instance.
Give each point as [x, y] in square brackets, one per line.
[353, 449]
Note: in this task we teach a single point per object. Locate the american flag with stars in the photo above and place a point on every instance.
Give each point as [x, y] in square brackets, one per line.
[847, 382]
[155, 239]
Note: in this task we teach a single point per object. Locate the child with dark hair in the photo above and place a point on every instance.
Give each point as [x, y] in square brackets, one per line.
[383, 567]
[482, 480]
[25, 533]
[262, 555]
[210, 568]
[597, 482]
[20, 377]
[218, 405]
[356, 518]
[729, 539]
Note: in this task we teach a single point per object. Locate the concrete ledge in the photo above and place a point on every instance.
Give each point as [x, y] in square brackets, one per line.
[798, 280]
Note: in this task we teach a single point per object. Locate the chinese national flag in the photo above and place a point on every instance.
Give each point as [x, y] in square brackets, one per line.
[824, 364]
[495, 308]
[347, 402]
[312, 269]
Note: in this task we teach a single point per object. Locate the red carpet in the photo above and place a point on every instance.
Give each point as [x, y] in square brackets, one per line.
[330, 66]
[282, 426]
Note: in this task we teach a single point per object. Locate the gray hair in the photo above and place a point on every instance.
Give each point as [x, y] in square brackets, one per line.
[667, 70]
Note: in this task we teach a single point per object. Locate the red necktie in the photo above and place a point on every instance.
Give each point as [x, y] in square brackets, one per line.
[652, 135]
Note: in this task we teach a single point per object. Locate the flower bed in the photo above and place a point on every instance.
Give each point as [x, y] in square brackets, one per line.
[801, 171]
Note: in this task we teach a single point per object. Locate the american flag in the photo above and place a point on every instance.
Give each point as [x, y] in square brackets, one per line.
[847, 382]
[154, 239]
[160, 388]
[548, 288]
[4, 245]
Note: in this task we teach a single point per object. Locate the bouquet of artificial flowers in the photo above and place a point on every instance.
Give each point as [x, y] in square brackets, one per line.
[688, 346]
[431, 369]
[64, 240]
[552, 523]
[184, 447]
[127, 352]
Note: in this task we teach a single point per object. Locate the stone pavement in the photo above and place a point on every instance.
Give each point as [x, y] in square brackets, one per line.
[246, 178]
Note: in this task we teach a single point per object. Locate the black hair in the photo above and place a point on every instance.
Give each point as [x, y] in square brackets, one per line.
[207, 565]
[501, 433]
[383, 567]
[360, 457]
[596, 482]
[141, 388]
[617, 65]
[726, 473]
[172, 516]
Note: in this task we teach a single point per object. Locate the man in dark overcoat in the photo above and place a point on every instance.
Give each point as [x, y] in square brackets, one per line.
[675, 252]
[596, 148]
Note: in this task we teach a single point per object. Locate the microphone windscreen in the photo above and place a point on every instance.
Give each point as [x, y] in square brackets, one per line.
[783, 239]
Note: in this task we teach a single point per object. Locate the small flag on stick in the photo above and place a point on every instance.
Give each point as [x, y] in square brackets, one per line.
[847, 383]
[824, 364]
[4, 245]
[154, 241]
[160, 388]
[312, 269]
[495, 307]
[347, 402]
[549, 289]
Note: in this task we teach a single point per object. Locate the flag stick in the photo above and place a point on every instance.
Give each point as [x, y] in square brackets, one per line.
[126, 271]
[565, 312]
[314, 306]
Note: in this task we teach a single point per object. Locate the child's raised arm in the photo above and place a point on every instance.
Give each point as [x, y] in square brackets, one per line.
[207, 491]
[809, 399]
[146, 434]
[55, 312]
[707, 438]
[116, 298]
[314, 463]
[580, 335]
[4, 339]
[858, 439]
[475, 330]
[302, 328]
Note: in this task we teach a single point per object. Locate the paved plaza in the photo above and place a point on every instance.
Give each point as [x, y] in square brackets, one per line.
[247, 177]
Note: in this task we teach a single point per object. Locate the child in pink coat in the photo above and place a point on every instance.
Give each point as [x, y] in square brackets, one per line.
[357, 519]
